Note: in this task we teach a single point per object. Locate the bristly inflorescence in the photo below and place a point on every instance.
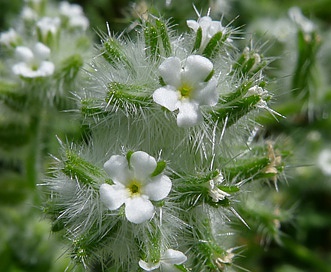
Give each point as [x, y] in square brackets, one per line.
[157, 182]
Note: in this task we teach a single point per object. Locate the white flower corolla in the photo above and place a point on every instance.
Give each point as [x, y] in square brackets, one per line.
[34, 62]
[28, 14]
[9, 38]
[324, 161]
[189, 85]
[74, 14]
[208, 27]
[134, 185]
[48, 26]
[167, 261]
[214, 192]
[297, 17]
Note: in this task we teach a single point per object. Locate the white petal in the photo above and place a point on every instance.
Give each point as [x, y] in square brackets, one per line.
[189, 114]
[158, 188]
[138, 209]
[118, 169]
[41, 51]
[148, 266]
[24, 53]
[170, 71]
[196, 69]
[143, 165]
[46, 68]
[171, 256]
[113, 196]
[166, 97]
[208, 95]
[193, 25]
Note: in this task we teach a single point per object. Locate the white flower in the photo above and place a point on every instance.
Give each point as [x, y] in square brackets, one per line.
[74, 14]
[134, 185]
[186, 88]
[29, 14]
[34, 63]
[48, 26]
[324, 161]
[297, 17]
[9, 38]
[167, 261]
[214, 192]
[208, 26]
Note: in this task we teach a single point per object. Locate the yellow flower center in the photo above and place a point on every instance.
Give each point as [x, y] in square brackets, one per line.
[185, 90]
[134, 187]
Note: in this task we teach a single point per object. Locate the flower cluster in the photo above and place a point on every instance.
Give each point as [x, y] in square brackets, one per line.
[178, 102]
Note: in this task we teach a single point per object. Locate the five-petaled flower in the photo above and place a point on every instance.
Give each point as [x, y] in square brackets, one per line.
[208, 27]
[135, 184]
[189, 85]
[167, 261]
[34, 63]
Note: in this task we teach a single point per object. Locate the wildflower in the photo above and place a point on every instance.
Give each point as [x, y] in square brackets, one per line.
[47, 27]
[189, 85]
[9, 38]
[134, 185]
[306, 25]
[214, 192]
[324, 161]
[167, 261]
[208, 26]
[34, 63]
[74, 14]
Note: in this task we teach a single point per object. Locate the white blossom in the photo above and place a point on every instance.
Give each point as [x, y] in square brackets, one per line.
[134, 185]
[167, 261]
[208, 26]
[74, 14]
[29, 14]
[48, 26]
[297, 17]
[214, 192]
[324, 161]
[9, 38]
[34, 61]
[187, 88]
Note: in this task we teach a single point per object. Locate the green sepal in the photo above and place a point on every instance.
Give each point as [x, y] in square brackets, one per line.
[228, 189]
[233, 112]
[238, 93]
[89, 109]
[181, 267]
[209, 76]
[83, 171]
[113, 52]
[213, 45]
[128, 156]
[198, 40]
[122, 95]
[247, 169]
[163, 31]
[70, 67]
[161, 165]
[151, 41]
